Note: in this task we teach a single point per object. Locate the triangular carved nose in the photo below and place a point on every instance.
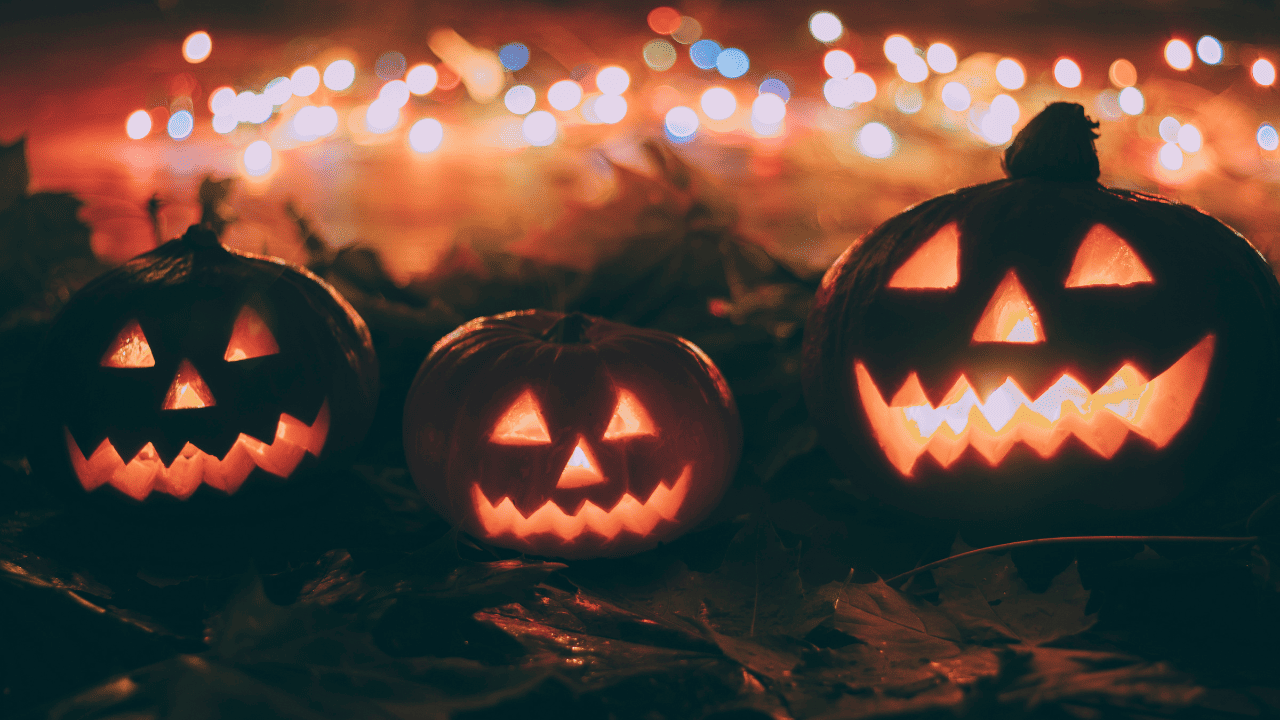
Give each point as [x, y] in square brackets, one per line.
[1010, 317]
[581, 469]
[188, 390]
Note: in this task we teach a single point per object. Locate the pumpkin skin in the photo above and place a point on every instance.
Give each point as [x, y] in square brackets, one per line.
[570, 436]
[198, 376]
[1110, 289]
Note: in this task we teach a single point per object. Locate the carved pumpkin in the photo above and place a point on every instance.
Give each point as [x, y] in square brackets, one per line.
[193, 369]
[1044, 345]
[569, 435]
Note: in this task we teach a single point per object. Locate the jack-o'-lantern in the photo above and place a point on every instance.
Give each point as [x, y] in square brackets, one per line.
[568, 435]
[194, 373]
[1044, 346]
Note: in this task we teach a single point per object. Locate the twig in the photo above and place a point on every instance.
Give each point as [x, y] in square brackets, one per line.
[1081, 539]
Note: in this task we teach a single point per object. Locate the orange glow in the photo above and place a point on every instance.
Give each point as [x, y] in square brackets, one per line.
[935, 266]
[1155, 409]
[581, 470]
[130, 349]
[250, 337]
[522, 423]
[664, 20]
[1104, 258]
[629, 419]
[146, 472]
[629, 515]
[188, 390]
[1010, 317]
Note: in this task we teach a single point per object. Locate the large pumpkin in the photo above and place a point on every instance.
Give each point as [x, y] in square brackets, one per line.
[569, 435]
[193, 373]
[1043, 345]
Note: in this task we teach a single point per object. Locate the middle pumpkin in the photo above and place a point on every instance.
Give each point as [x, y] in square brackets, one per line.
[568, 435]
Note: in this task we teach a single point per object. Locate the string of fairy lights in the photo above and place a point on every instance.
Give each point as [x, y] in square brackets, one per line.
[975, 95]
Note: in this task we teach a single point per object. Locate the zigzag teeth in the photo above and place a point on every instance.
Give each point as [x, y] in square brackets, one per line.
[147, 473]
[629, 515]
[1157, 409]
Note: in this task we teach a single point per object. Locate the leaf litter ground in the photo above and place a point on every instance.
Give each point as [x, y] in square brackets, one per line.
[366, 605]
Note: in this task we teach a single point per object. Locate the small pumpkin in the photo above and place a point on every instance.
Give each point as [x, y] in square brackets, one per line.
[1044, 345]
[569, 435]
[197, 373]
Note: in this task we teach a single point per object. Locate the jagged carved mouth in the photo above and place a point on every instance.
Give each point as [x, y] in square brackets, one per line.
[629, 515]
[909, 425]
[146, 472]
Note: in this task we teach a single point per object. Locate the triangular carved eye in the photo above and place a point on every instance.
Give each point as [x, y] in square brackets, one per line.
[629, 419]
[250, 337]
[1104, 258]
[522, 423]
[130, 349]
[934, 266]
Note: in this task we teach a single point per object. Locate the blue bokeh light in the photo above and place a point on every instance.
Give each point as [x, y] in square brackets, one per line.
[514, 56]
[733, 63]
[704, 53]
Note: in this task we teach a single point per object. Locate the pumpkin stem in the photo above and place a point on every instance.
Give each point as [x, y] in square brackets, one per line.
[201, 236]
[1056, 145]
[569, 330]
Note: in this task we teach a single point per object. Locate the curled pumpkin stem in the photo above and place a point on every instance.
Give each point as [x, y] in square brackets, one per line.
[1069, 540]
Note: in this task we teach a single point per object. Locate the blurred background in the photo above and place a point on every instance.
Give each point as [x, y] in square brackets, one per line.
[422, 128]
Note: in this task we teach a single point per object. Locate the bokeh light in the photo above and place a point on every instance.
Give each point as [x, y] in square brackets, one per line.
[197, 46]
[777, 86]
[1131, 101]
[681, 121]
[223, 124]
[703, 54]
[1107, 105]
[138, 125]
[1067, 73]
[1189, 138]
[688, 31]
[395, 92]
[1268, 137]
[875, 141]
[222, 100]
[389, 65]
[514, 56]
[733, 63]
[613, 80]
[564, 95]
[520, 99]
[1209, 50]
[913, 69]
[1171, 156]
[181, 124]
[339, 75]
[864, 87]
[908, 99]
[898, 48]
[839, 92]
[422, 79]
[539, 128]
[1264, 72]
[1178, 54]
[426, 135]
[1169, 129]
[381, 116]
[659, 55]
[610, 108]
[718, 103]
[994, 130]
[941, 58]
[1010, 75]
[768, 109]
[257, 158]
[1123, 74]
[251, 107]
[304, 81]
[313, 122]
[825, 26]
[956, 96]
[278, 91]
[838, 64]
[664, 20]
[1004, 110]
